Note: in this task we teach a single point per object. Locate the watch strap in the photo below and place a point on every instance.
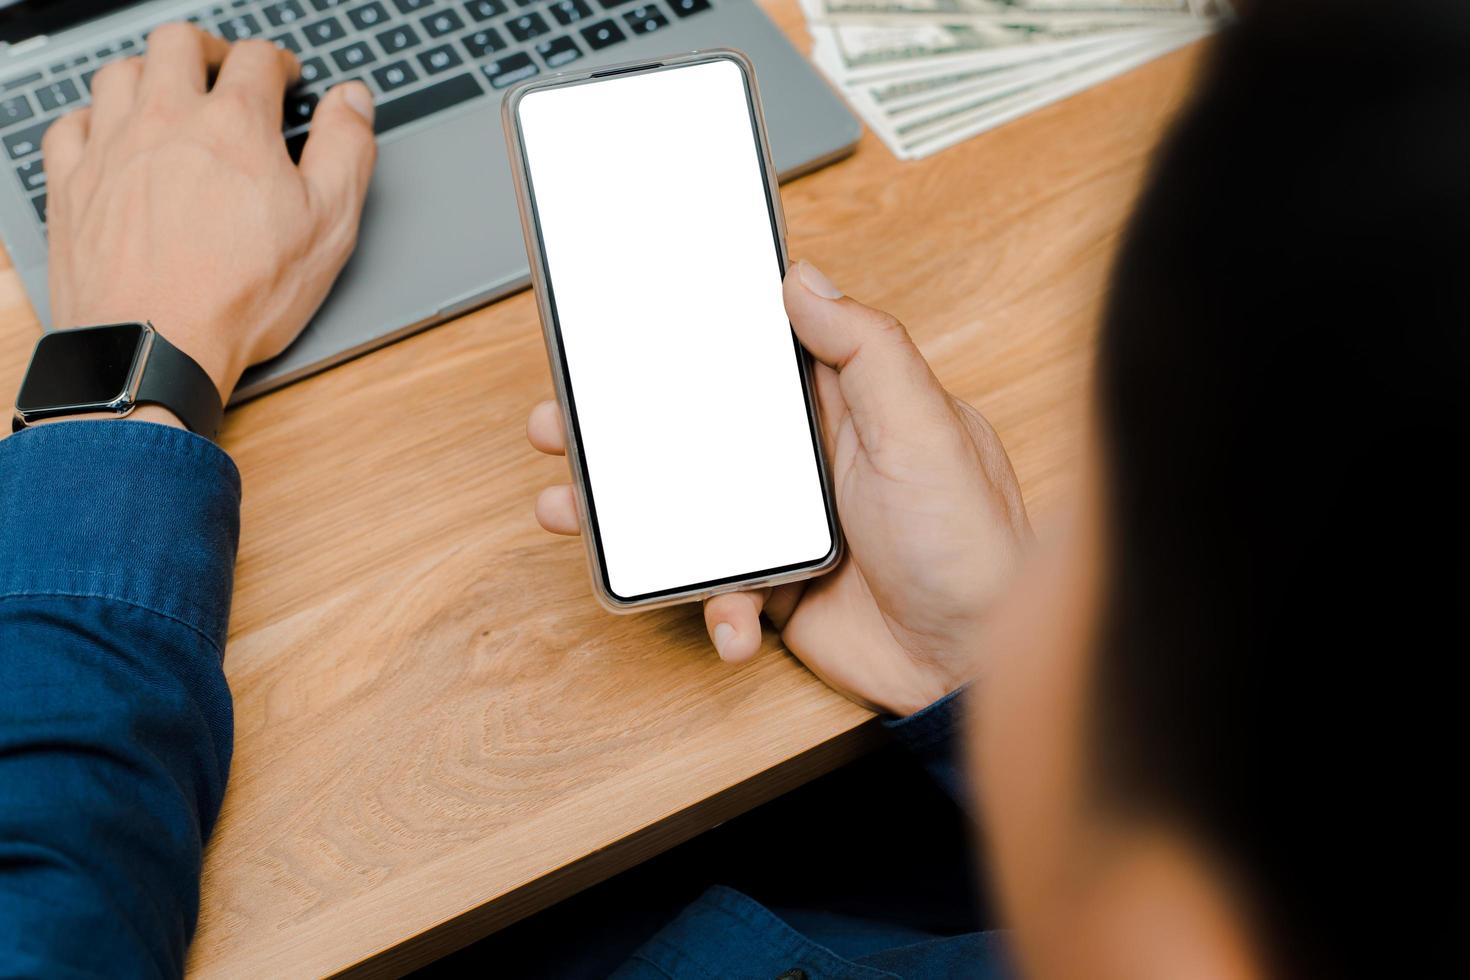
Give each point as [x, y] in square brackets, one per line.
[175, 380]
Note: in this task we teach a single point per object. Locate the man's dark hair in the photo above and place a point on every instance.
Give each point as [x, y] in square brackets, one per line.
[1284, 387]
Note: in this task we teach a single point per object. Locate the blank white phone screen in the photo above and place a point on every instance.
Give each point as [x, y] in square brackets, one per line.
[666, 285]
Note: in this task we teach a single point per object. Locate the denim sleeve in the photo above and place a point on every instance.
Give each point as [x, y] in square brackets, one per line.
[932, 734]
[117, 552]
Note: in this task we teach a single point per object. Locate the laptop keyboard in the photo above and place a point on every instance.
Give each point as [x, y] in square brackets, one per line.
[418, 57]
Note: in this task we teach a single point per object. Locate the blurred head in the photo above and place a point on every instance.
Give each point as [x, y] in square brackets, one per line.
[1217, 740]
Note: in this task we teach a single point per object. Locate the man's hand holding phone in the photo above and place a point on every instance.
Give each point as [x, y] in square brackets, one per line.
[928, 501]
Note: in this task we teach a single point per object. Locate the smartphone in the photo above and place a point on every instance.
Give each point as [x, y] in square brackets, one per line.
[655, 235]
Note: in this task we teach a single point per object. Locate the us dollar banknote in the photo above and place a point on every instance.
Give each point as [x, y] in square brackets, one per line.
[1014, 11]
[853, 49]
[927, 73]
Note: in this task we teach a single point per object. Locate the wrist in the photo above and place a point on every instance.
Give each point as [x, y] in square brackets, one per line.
[196, 338]
[911, 702]
[913, 686]
[125, 369]
[200, 345]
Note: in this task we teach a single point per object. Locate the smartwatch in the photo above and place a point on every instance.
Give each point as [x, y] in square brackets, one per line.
[115, 368]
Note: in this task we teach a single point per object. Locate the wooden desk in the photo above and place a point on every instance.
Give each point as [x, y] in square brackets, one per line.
[437, 729]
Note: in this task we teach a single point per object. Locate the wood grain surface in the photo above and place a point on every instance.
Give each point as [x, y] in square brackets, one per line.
[438, 731]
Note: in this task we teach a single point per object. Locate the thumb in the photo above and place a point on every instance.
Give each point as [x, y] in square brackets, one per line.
[337, 161]
[887, 385]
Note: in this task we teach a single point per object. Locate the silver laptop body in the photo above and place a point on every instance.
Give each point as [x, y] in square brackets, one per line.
[440, 234]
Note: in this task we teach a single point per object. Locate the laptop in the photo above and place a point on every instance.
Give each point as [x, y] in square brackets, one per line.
[440, 232]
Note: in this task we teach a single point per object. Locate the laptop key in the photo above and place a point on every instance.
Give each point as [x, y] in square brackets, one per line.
[284, 12]
[19, 81]
[300, 107]
[398, 39]
[558, 51]
[396, 75]
[288, 41]
[32, 175]
[526, 26]
[324, 31]
[645, 19]
[368, 16]
[482, 42]
[354, 56]
[426, 101]
[15, 109]
[570, 11]
[24, 142]
[509, 69]
[482, 10]
[87, 78]
[410, 6]
[58, 94]
[239, 28]
[602, 34]
[610, 4]
[686, 7]
[439, 59]
[442, 22]
[323, 5]
[314, 70]
[39, 203]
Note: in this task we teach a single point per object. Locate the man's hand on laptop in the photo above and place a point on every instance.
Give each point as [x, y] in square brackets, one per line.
[175, 201]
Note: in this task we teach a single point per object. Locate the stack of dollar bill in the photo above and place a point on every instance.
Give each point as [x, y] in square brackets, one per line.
[926, 74]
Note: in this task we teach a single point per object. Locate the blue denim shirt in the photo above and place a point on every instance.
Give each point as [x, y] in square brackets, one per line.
[727, 934]
[117, 554]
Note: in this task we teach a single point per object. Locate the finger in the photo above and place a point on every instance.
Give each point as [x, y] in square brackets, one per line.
[257, 73]
[179, 59]
[885, 382]
[62, 147]
[734, 624]
[338, 158]
[782, 603]
[114, 90]
[556, 510]
[544, 429]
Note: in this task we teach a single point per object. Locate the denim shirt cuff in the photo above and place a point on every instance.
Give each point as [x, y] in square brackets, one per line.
[129, 511]
[932, 725]
[932, 735]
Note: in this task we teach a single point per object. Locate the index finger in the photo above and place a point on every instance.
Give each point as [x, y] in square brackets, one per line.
[179, 58]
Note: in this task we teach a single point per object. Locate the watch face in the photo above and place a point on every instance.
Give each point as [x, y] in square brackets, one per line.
[73, 368]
